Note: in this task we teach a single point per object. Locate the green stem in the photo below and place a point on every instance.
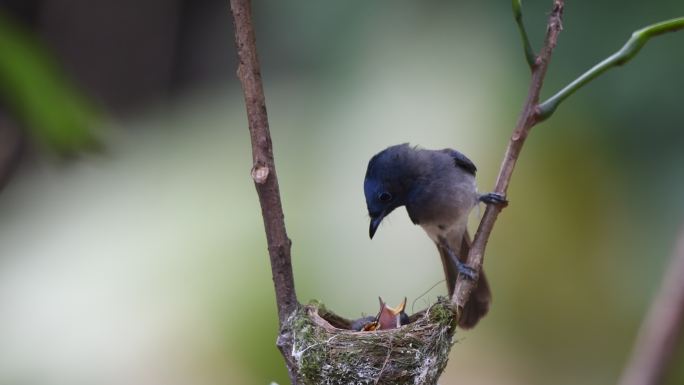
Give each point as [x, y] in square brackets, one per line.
[530, 56]
[625, 54]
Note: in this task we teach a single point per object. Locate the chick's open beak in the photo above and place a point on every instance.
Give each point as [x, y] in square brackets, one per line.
[391, 318]
[399, 309]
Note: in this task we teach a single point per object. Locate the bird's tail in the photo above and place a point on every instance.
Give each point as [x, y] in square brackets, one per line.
[478, 304]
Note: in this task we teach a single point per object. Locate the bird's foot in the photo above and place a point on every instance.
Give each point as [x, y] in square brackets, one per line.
[466, 270]
[494, 199]
[462, 268]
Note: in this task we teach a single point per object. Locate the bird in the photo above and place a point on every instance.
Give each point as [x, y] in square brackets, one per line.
[387, 318]
[438, 190]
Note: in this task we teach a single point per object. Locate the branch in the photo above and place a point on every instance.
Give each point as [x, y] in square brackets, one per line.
[528, 118]
[625, 54]
[661, 329]
[527, 47]
[263, 170]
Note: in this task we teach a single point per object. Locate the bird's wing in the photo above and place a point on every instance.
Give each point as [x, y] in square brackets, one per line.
[461, 160]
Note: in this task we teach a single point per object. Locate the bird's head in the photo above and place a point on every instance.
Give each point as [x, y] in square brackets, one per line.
[389, 179]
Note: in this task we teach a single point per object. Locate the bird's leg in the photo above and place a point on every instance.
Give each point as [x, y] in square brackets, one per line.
[494, 199]
[462, 268]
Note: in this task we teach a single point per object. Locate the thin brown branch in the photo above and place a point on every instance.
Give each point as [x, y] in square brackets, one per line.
[384, 365]
[528, 118]
[264, 175]
[661, 329]
[263, 170]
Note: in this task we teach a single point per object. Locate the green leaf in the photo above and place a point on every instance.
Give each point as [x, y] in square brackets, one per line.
[40, 95]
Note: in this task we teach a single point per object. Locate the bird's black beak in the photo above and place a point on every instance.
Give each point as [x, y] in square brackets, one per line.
[374, 223]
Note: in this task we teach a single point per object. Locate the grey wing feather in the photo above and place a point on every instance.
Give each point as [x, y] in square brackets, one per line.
[461, 161]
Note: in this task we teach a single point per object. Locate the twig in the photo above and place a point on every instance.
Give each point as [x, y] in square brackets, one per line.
[625, 54]
[661, 329]
[264, 175]
[527, 47]
[384, 364]
[263, 170]
[528, 118]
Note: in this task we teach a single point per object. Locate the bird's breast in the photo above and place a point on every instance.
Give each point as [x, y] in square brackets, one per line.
[452, 233]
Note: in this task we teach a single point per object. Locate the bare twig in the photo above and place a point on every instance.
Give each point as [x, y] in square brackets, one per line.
[264, 175]
[384, 365]
[528, 118]
[263, 171]
[527, 47]
[661, 329]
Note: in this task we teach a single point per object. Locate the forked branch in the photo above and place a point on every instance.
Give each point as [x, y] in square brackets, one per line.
[661, 329]
[625, 54]
[534, 113]
[528, 118]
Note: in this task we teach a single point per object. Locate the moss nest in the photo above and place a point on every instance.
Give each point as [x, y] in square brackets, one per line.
[325, 350]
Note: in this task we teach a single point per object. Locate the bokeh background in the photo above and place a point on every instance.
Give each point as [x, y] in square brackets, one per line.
[131, 244]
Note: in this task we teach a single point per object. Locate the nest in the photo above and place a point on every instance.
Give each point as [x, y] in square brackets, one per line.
[325, 351]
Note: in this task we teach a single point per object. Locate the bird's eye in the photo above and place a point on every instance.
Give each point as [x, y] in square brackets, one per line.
[385, 197]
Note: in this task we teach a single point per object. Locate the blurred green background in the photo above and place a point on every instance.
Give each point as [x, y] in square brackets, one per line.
[145, 261]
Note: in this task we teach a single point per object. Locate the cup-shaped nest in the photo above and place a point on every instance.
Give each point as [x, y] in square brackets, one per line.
[325, 351]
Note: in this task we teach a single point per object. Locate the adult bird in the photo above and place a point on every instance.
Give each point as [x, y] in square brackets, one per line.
[438, 189]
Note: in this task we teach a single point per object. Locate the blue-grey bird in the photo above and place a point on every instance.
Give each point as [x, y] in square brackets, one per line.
[438, 189]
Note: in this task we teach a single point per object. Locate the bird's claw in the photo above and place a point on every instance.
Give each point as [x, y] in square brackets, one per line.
[494, 199]
[466, 271]
[462, 268]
